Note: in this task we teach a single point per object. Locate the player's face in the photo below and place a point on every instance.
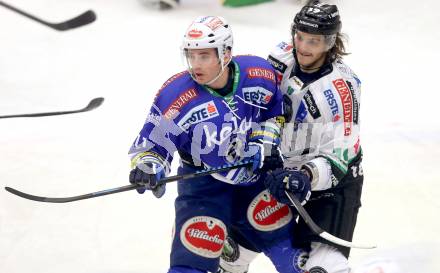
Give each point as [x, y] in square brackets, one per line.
[204, 64]
[310, 49]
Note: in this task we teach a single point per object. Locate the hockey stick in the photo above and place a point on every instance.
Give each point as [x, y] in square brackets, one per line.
[93, 104]
[127, 187]
[80, 20]
[319, 231]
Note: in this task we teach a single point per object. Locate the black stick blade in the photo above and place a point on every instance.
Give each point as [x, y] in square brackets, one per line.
[71, 198]
[93, 104]
[80, 20]
[32, 197]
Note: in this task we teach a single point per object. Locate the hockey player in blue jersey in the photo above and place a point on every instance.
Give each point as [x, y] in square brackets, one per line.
[222, 110]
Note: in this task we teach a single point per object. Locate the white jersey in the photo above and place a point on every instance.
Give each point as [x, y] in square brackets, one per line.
[323, 130]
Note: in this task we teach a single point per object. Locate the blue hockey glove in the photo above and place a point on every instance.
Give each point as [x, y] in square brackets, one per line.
[294, 181]
[147, 174]
[263, 142]
[266, 156]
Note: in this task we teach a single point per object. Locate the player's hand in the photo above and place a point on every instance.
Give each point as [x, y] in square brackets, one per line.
[293, 181]
[148, 174]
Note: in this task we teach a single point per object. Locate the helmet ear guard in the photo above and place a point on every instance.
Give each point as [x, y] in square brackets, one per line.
[227, 52]
[330, 40]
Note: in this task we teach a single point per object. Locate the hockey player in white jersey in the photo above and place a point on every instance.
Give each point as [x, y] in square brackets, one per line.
[321, 137]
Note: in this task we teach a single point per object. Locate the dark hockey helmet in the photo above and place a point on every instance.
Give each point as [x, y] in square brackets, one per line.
[318, 18]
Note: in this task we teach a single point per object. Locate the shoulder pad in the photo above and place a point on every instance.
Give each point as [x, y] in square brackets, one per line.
[254, 67]
[345, 70]
[175, 104]
[174, 94]
[251, 60]
[171, 80]
[281, 56]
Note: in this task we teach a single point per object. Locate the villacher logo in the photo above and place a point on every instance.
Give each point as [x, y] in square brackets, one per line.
[204, 236]
[265, 213]
[195, 33]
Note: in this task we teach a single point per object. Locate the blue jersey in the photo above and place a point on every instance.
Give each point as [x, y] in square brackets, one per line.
[211, 129]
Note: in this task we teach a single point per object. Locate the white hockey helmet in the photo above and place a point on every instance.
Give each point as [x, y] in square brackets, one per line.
[209, 32]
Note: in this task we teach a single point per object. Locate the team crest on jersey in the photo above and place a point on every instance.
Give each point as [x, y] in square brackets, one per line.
[198, 114]
[184, 98]
[265, 213]
[258, 72]
[347, 104]
[257, 95]
[204, 236]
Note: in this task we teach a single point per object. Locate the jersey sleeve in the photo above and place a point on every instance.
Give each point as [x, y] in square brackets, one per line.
[160, 136]
[280, 58]
[339, 145]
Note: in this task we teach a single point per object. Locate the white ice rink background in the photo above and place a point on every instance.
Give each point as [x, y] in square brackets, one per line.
[125, 56]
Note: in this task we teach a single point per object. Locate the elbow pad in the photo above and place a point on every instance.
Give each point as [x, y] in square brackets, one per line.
[320, 172]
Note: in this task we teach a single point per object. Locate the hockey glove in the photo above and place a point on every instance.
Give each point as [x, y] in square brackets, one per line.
[263, 142]
[266, 156]
[294, 181]
[148, 174]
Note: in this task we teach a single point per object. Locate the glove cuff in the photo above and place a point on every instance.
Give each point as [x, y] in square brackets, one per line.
[268, 132]
[149, 157]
